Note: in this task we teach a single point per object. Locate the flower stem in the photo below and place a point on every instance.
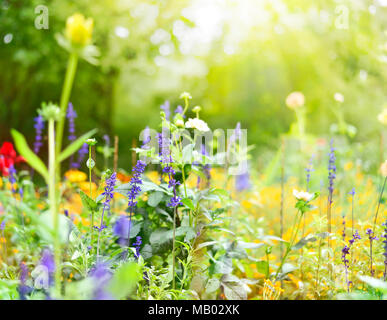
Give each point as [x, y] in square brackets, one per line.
[296, 226]
[380, 199]
[52, 198]
[173, 248]
[64, 100]
[91, 196]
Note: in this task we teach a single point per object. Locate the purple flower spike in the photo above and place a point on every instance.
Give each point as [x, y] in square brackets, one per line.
[101, 276]
[39, 127]
[137, 245]
[180, 110]
[121, 228]
[166, 108]
[47, 260]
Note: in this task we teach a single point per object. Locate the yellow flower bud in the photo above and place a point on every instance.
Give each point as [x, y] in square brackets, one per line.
[295, 100]
[79, 30]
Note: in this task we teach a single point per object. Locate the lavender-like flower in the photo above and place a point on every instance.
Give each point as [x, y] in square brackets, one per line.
[308, 170]
[23, 289]
[108, 194]
[242, 182]
[166, 160]
[385, 249]
[331, 170]
[137, 245]
[101, 276]
[121, 229]
[345, 252]
[134, 191]
[71, 115]
[48, 263]
[107, 140]
[236, 135]
[39, 127]
[166, 108]
[147, 138]
[371, 238]
[12, 177]
[343, 223]
[82, 152]
[180, 110]
[2, 225]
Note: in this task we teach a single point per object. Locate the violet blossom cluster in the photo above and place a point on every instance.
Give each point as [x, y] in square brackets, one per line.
[39, 127]
[331, 170]
[71, 115]
[166, 108]
[135, 188]
[385, 249]
[166, 160]
[308, 170]
[108, 194]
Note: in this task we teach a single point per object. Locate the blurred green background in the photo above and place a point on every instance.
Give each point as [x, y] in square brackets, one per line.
[238, 58]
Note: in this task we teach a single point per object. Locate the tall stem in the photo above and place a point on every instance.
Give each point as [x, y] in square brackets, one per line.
[173, 248]
[377, 209]
[99, 232]
[293, 237]
[64, 100]
[52, 198]
[91, 196]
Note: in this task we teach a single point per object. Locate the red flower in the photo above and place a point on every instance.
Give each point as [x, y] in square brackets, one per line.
[8, 157]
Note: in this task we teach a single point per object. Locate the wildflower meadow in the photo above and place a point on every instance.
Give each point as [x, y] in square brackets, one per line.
[193, 150]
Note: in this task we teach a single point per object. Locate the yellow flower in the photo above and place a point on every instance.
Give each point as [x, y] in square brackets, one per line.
[348, 166]
[75, 176]
[79, 30]
[153, 176]
[295, 100]
[1, 183]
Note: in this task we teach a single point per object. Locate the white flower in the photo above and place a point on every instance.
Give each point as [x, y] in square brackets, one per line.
[302, 195]
[179, 123]
[197, 124]
[338, 97]
[295, 100]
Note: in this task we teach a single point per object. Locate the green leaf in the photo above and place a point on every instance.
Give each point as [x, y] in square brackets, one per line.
[303, 242]
[32, 159]
[188, 203]
[262, 266]
[233, 288]
[73, 147]
[155, 198]
[91, 205]
[125, 280]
